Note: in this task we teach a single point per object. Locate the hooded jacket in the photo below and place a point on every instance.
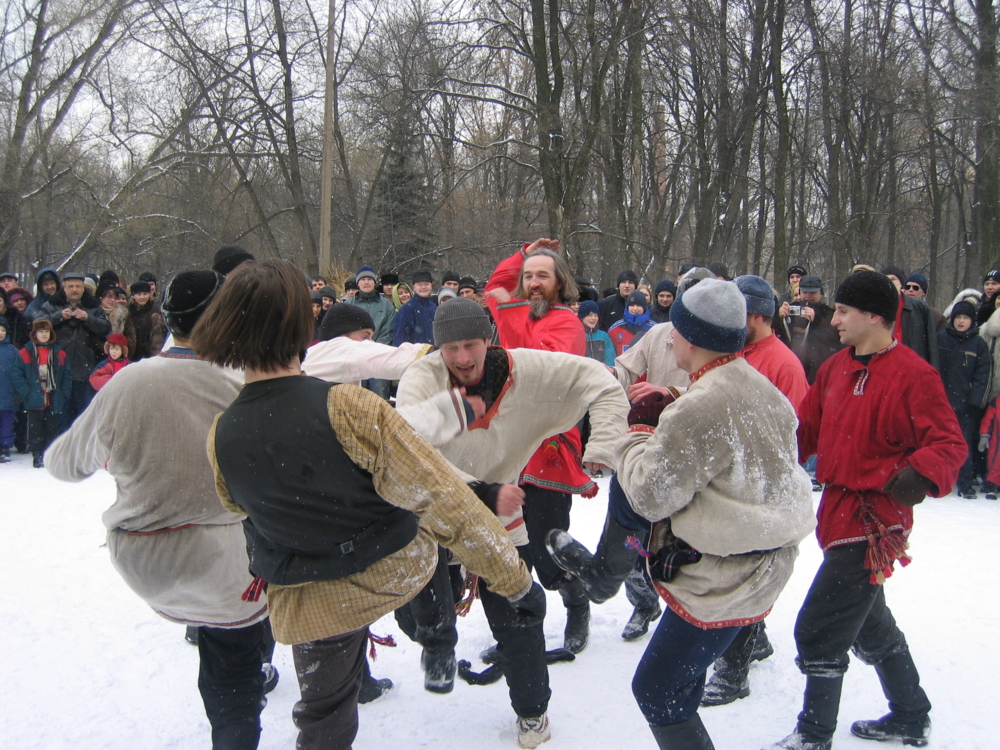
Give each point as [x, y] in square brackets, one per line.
[35, 306]
[414, 321]
[29, 385]
[383, 313]
[965, 367]
[10, 360]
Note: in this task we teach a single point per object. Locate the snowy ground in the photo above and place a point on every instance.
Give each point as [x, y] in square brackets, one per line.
[88, 665]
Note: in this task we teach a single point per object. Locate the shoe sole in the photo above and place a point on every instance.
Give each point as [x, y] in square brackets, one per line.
[725, 700]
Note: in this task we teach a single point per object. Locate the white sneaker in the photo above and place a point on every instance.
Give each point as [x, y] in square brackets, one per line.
[533, 732]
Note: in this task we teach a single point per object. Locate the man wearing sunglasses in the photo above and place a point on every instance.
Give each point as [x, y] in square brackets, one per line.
[915, 286]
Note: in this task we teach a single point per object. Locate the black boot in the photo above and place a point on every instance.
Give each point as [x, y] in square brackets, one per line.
[762, 647]
[908, 704]
[439, 670]
[690, 735]
[601, 573]
[731, 679]
[638, 624]
[577, 632]
[818, 719]
[37, 461]
[4, 455]
[372, 689]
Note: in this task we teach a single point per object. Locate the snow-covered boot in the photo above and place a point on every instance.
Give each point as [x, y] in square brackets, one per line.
[891, 728]
[191, 634]
[818, 718]
[797, 741]
[270, 677]
[731, 679]
[372, 689]
[601, 573]
[37, 461]
[762, 647]
[532, 732]
[577, 632]
[689, 735]
[4, 455]
[439, 670]
[638, 624]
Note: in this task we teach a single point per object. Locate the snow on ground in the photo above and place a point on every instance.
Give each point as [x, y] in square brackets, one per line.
[88, 665]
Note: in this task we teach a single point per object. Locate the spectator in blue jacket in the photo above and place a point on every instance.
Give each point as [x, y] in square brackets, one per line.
[599, 344]
[415, 320]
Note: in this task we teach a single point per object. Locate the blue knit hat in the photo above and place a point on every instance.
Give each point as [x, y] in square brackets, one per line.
[712, 315]
[588, 307]
[917, 278]
[758, 294]
[365, 272]
[637, 298]
[665, 286]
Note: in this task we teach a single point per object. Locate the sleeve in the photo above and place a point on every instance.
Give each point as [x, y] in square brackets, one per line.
[662, 470]
[343, 362]
[86, 446]
[409, 473]
[65, 383]
[941, 447]
[439, 419]
[563, 332]
[51, 314]
[20, 374]
[985, 422]
[129, 332]
[96, 323]
[931, 329]
[810, 413]
[384, 334]
[791, 381]
[101, 375]
[630, 365]
[981, 376]
[402, 326]
[507, 272]
[609, 351]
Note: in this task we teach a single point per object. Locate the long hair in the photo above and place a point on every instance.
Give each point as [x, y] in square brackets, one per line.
[568, 290]
[260, 319]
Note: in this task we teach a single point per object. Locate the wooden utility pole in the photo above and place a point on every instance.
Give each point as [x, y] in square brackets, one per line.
[326, 175]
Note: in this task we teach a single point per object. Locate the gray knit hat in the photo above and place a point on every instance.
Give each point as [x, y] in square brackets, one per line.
[461, 319]
[712, 315]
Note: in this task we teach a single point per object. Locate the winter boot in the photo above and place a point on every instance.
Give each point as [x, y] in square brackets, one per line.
[891, 728]
[372, 689]
[532, 732]
[638, 624]
[601, 573]
[731, 679]
[4, 455]
[577, 632]
[818, 719]
[270, 677]
[439, 670]
[689, 735]
[908, 704]
[37, 461]
[762, 647]
[191, 634]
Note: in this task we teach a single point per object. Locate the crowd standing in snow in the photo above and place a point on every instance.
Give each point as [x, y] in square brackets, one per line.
[425, 452]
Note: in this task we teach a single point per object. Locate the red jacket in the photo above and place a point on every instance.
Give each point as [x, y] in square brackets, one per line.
[776, 362]
[865, 424]
[556, 465]
[105, 370]
[988, 426]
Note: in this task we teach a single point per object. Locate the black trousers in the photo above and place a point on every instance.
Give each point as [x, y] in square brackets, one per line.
[329, 672]
[521, 646]
[429, 617]
[543, 511]
[43, 428]
[232, 684]
[968, 420]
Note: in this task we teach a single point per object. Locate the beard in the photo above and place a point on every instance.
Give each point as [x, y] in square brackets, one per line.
[539, 309]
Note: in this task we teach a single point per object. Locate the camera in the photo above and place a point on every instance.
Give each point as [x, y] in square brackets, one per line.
[795, 309]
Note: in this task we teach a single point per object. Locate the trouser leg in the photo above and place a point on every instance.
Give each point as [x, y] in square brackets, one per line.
[732, 670]
[639, 589]
[429, 618]
[670, 678]
[329, 673]
[545, 510]
[521, 648]
[969, 419]
[232, 684]
[832, 616]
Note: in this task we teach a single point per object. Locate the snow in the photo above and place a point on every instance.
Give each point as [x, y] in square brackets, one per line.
[88, 664]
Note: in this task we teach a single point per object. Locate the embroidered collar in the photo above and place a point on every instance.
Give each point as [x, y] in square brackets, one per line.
[179, 352]
[718, 362]
[864, 372]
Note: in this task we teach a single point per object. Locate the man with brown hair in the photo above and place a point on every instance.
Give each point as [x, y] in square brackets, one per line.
[528, 293]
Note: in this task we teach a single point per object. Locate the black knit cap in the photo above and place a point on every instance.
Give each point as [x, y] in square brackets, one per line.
[450, 276]
[461, 319]
[896, 271]
[963, 308]
[993, 275]
[795, 269]
[419, 276]
[342, 319]
[869, 291]
[140, 287]
[186, 298]
[147, 276]
[627, 275]
[467, 282]
[228, 257]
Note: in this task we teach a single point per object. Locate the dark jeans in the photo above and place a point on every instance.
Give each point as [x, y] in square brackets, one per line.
[6, 428]
[378, 387]
[844, 610]
[81, 395]
[968, 420]
[232, 684]
[521, 646]
[43, 428]
[670, 679]
[545, 510]
[329, 672]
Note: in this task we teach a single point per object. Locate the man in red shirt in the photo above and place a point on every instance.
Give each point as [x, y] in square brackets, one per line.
[528, 294]
[878, 420]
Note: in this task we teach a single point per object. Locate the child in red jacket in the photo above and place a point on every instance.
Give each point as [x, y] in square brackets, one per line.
[116, 347]
[989, 443]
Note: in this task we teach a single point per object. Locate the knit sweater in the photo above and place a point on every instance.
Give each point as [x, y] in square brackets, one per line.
[722, 466]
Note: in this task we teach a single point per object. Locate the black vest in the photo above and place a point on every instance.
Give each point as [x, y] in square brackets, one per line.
[313, 514]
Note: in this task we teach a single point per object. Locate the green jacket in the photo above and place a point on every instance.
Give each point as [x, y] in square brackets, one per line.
[383, 312]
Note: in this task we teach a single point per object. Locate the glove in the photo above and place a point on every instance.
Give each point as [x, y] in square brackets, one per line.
[908, 487]
[531, 606]
[984, 443]
[646, 409]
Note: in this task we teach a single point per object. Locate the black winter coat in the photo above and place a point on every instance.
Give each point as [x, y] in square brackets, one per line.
[919, 329]
[80, 339]
[20, 326]
[965, 367]
[612, 310]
